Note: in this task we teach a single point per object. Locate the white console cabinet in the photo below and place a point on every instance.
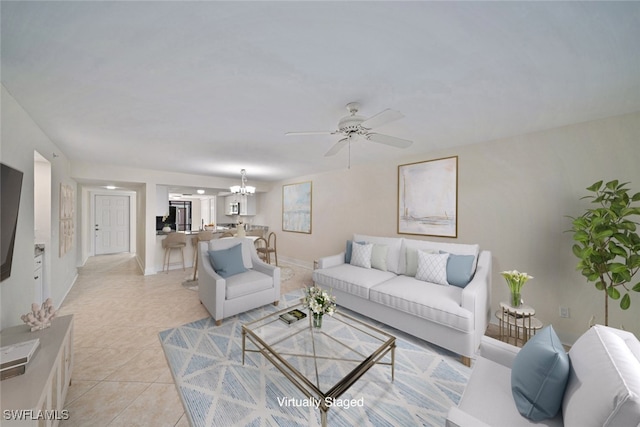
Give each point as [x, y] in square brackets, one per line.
[36, 398]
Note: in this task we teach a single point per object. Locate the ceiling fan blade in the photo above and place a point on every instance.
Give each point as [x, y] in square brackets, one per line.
[382, 118]
[328, 132]
[389, 140]
[337, 147]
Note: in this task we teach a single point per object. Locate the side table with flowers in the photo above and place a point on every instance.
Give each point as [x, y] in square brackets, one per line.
[319, 303]
[515, 281]
[516, 319]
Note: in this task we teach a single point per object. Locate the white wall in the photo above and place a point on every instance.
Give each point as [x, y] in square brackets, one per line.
[20, 136]
[514, 197]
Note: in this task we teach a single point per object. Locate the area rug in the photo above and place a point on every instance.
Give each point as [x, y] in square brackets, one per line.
[217, 390]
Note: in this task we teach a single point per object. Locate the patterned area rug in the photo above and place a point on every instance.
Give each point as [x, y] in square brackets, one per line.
[217, 390]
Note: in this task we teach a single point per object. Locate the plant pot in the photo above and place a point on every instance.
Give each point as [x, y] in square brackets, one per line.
[166, 229]
[317, 320]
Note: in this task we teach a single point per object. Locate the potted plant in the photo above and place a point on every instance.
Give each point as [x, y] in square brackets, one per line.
[607, 243]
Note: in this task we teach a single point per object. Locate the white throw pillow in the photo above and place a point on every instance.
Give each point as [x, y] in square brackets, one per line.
[379, 257]
[361, 255]
[412, 260]
[432, 268]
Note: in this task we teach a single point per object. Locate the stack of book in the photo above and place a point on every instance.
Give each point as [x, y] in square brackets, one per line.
[292, 316]
[15, 358]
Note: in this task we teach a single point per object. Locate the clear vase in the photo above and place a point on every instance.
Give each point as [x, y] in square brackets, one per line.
[317, 320]
[516, 299]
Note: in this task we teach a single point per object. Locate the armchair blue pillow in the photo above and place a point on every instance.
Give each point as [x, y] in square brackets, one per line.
[539, 376]
[227, 262]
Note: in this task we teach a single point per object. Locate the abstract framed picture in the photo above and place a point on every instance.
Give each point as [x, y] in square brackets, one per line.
[296, 207]
[67, 226]
[428, 198]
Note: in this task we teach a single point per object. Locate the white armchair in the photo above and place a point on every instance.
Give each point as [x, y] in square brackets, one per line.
[603, 387]
[224, 297]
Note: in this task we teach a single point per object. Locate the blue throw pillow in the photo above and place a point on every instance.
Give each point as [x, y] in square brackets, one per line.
[539, 376]
[348, 250]
[459, 269]
[227, 262]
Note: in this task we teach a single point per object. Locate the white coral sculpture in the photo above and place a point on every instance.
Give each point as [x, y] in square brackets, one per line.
[40, 318]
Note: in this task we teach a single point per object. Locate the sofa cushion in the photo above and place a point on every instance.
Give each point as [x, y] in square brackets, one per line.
[361, 255]
[539, 376]
[459, 269]
[348, 278]
[411, 260]
[347, 252]
[394, 245]
[227, 262]
[379, 257]
[604, 385]
[246, 283]
[437, 303]
[452, 248]
[432, 268]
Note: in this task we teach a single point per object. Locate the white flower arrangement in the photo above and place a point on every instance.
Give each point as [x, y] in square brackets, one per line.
[515, 280]
[319, 301]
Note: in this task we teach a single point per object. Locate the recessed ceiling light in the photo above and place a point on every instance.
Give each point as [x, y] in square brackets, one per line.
[200, 191]
[110, 187]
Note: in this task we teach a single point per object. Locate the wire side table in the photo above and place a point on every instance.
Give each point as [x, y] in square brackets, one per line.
[517, 323]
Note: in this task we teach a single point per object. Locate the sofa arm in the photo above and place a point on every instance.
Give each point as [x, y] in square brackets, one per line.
[476, 296]
[498, 351]
[211, 286]
[331, 261]
[458, 418]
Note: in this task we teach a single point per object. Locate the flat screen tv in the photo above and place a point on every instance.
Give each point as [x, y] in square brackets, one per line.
[10, 190]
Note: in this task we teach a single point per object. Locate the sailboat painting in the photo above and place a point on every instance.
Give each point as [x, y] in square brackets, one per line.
[428, 198]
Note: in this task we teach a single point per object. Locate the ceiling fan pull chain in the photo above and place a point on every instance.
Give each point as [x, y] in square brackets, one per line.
[349, 165]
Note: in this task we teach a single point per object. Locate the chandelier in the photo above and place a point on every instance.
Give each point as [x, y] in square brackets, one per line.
[243, 188]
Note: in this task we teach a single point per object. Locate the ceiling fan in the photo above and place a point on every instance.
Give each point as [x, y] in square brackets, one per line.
[353, 126]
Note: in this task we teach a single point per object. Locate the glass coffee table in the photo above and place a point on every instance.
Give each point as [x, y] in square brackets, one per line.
[322, 363]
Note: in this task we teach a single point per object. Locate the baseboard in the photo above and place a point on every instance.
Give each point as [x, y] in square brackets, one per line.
[64, 297]
[297, 262]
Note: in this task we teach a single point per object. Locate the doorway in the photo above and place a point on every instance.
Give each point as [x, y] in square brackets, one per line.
[112, 217]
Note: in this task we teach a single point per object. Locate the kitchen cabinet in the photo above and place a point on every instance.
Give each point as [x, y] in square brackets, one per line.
[247, 205]
[162, 200]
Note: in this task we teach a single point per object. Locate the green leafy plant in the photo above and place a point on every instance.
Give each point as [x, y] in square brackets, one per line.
[607, 242]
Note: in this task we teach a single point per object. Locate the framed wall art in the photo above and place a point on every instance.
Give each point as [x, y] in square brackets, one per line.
[296, 207]
[428, 198]
[67, 226]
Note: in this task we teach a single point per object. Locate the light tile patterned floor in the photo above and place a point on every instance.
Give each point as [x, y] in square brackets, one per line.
[120, 375]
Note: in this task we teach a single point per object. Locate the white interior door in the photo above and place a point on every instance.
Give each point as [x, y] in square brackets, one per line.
[112, 224]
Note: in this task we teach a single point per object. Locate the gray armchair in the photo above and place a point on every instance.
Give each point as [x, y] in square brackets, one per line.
[224, 297]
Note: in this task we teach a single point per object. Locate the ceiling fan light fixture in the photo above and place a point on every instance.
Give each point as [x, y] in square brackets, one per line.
[243, 188]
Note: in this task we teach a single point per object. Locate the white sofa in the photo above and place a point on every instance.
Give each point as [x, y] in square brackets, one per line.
[603, 387]
[224, 297]
[451, 317]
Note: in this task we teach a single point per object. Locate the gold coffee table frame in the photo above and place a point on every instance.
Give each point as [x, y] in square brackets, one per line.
[382, 342]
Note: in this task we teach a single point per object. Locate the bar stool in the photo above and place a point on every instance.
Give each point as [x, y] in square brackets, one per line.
[269, 249]
[173, 241]
[202, 236]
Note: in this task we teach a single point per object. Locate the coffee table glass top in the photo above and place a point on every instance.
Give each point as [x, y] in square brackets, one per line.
[321, 362]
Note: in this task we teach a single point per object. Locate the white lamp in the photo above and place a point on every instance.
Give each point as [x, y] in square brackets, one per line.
[243, 188]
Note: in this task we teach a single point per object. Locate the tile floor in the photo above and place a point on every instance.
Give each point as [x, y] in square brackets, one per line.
[120, 375]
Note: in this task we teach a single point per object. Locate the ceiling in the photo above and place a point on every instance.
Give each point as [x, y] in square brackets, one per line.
[212, 87]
